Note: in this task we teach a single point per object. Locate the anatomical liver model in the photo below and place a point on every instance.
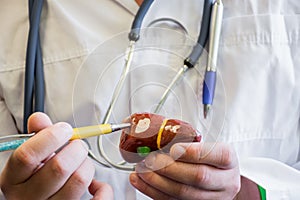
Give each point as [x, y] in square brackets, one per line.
[151, 132]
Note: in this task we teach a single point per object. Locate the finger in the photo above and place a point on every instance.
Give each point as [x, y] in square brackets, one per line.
[201, 176]
[38, 121]
[30, 155]
[55, 173]
[172, 188]
[146, 189]
[101, 191]
[78, 183]
[220, 155]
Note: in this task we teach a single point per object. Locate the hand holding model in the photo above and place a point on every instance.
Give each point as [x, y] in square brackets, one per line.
[178, 165]
[199, 172]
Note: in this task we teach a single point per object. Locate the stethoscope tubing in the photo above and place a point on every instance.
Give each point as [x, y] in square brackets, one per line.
[189, 62]
[134, 34]
[34, 74]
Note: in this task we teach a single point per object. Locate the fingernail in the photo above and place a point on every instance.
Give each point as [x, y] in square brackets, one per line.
[177, 151]
[133, 179]
[67, 129]
[142, 168]
[150, 160]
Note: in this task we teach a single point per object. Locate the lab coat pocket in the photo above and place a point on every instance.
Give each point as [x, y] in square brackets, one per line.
[258, 62]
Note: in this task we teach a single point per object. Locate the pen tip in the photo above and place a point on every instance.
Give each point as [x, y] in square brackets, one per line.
[117, 127]
[206, 110]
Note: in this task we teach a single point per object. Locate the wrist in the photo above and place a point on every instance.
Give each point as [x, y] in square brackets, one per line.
[249, 190]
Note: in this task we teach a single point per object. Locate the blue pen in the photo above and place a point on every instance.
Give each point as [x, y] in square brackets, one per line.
[211, 68]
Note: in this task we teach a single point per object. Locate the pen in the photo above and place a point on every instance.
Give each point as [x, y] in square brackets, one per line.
[78, 133]
[210, 72]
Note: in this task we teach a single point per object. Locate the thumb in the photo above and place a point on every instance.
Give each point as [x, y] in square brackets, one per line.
[101, 190]
[38, 121]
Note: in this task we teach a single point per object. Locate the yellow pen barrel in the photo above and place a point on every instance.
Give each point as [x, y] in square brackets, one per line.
[90, 131]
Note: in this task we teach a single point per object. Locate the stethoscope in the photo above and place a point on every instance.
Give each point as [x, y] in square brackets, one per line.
[34, 75]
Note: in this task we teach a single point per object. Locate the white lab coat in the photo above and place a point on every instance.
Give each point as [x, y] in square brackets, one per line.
[256, 106]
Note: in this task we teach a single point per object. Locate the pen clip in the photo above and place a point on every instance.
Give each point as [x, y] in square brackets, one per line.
[214, 34]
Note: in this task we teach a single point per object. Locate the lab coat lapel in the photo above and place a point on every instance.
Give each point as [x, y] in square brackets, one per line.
[130, 5]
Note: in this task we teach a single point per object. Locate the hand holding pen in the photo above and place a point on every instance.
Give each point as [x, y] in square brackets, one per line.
[50, 165]
[210, 72]
[78, 133]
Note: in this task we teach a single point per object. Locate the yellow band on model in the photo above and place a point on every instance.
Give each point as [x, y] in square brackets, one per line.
[161, 129]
